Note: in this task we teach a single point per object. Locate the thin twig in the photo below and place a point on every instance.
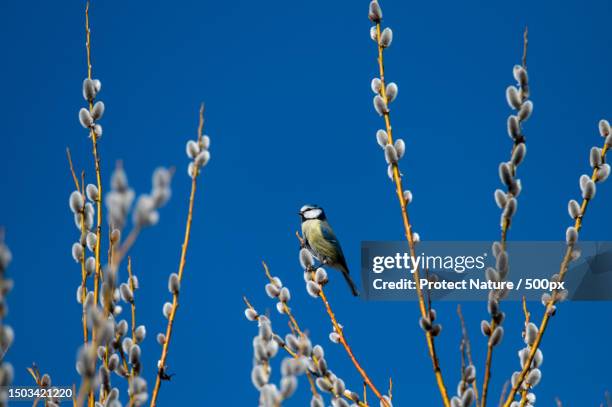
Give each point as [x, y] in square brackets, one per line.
[468, 350]
[503, 393]
[82, 260]
[525, 44]
[161, 375]
[349, 351]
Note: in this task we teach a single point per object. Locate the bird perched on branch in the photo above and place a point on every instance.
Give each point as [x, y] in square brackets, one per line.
[322, 242]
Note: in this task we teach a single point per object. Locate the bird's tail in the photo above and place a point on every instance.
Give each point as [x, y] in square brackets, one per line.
[349, 280]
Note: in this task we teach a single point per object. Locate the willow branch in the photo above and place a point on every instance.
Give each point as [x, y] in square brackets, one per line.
[175, 296]
[342, 339]
[397, 179]
[550, 304]
[504, 236]
[468, 349]
[347, 393]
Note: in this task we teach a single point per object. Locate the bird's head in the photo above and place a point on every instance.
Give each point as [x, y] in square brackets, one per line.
[308, 212]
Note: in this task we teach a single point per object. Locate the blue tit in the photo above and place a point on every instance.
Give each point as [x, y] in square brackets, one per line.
[322, 242]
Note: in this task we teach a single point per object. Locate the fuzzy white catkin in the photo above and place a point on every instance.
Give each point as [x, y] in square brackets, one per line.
[306, 259]
[97, 85]
[588, 192]
[375, 12]
[400, 147]
[126, 293]
[376, 85]
[97, 128]
[98, 110]
[505, 173]
[496, 336]
[92, 192]
[321, 276]
[531, 332]
[140, 333]
[382, 138]
[174, 284]
[374, 34]
[379, 105]
[525, 111]
[583, 181]
[571, 235]
[285, 295]
[89, 90]
[510, 208]
[167, 310]
[192, 149]
[604, 128]
[391, 91]
[595, 157]
[603, 172]
[205, 143]
[391, 155]
[272, 291]
[407, 197]
[467, 398]
[313, 289]
[76, 202]
[520, 74]
[386, 38]
[249, 313]
[519, 154]
[573, 208]
[500, 198]
[202, 159]
[85, 118]
[92, 240]
[514, 129]
[513, 98]
[533, 377]
[485, 328]
[77, 252]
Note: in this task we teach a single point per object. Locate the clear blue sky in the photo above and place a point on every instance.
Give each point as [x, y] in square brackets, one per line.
[290, 116]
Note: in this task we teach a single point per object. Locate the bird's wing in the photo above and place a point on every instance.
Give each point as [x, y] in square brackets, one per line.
[328, 234]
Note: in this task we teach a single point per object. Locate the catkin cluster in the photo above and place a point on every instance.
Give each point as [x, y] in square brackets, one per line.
[517, 98]
[384, 95]
[6, 332]
[326, 381]
[119, 199]
[198, 151]
[307, 359]
[465, 394]
[265, 348]
[534, 374]
[89, 116]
